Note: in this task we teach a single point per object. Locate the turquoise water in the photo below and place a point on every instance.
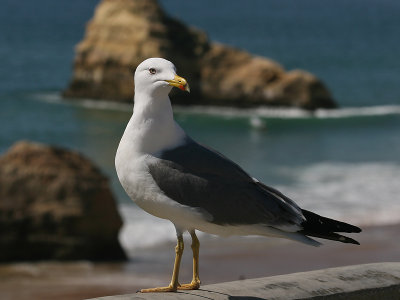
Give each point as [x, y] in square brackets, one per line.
[343, 163]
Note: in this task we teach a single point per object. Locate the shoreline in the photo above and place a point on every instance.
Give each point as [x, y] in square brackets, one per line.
[221, 259]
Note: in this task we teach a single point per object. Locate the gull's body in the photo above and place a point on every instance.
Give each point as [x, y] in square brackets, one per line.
[172, 177]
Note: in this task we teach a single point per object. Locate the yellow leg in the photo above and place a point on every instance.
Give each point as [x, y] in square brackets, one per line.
[173, 286]
[195, 284]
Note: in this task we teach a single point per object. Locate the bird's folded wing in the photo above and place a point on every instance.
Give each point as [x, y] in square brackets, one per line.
[199, 177]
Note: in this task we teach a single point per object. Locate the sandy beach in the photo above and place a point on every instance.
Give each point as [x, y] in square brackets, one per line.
[222, 259]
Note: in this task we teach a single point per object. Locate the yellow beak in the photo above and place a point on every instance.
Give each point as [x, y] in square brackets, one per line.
[180, 83]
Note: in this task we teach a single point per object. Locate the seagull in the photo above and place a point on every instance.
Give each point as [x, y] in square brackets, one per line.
[171, 176]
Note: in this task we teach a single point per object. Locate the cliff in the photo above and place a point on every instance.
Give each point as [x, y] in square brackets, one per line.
[123, 33]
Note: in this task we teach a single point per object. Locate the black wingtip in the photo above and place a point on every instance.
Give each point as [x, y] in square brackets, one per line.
[333, 236]
[345, 239]
[345, 227]
[315, 222]
[326, 228]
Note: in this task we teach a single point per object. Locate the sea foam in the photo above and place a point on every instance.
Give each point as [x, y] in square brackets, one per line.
[290, 113]
[142, 230]
[234, 112]
[360, 193]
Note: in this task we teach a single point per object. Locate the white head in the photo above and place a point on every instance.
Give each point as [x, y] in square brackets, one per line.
[156, 77]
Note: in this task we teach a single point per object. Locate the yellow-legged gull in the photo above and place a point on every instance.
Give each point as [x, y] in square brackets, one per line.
[171, 176]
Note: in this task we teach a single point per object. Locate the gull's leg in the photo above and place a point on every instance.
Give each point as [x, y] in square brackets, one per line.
[195, 284]
[172, 287]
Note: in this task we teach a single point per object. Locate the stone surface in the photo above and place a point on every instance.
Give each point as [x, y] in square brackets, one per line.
[55, 204]
[371, 281]
[123, 33]
[120, 36]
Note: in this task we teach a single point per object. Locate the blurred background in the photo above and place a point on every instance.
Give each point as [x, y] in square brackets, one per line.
[343, 163]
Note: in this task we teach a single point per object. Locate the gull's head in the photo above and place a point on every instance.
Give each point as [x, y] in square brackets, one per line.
[157, 76]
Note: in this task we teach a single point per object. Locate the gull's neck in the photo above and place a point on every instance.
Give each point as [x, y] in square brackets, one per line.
[152, 128]
[152, 108]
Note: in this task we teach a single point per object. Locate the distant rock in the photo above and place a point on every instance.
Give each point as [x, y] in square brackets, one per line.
[120, 36]
[123, 33]
[55, 204]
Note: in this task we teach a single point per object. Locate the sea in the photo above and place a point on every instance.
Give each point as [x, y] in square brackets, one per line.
[343, 163]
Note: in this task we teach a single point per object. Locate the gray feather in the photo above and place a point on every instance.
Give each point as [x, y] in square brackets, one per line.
[196, 176]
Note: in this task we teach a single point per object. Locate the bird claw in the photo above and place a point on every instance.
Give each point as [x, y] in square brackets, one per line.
[194, 285]
[169, 288]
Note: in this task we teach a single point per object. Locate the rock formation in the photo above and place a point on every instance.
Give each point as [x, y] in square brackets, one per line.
[234, 77]
[55, 204]
[123, 33]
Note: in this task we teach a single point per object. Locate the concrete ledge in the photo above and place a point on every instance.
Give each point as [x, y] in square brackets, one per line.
[371, 281]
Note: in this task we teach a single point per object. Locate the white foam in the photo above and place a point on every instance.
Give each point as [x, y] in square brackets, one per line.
[105, 105]
[364, 193]
[142, 230]
[56, 98]
[347, 112]
[234, 112]
[50, 97]
[257, 123]
[257, 113]
[290, 113]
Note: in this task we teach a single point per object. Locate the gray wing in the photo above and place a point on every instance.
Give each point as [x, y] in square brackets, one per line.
[200, 177]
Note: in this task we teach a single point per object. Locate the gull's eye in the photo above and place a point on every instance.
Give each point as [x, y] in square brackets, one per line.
[152, 71]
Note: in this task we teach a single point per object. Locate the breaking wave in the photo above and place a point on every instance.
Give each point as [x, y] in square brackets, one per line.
[291, 113]
[233, 112]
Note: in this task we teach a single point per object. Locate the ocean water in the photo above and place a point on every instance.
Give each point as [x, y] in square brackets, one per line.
[343, 163]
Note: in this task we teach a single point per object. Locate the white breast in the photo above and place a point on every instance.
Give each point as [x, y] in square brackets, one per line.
[133, 156]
